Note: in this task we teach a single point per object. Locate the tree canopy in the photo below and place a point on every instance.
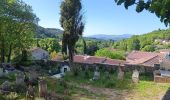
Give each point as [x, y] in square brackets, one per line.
[71, 21]
[161, 8]
[17, 25]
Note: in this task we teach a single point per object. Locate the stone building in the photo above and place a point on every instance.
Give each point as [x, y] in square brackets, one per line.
[39, 54]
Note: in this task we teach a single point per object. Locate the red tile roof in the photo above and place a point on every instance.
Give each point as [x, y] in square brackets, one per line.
[115, 62]
[97, 60]
[144, 58]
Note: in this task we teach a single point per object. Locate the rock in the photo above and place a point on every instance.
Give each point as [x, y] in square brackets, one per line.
[33, 78]
[6, 86]
[135, 76]
[1, 72]
[20, 79]
[120, 74]
[96, 75]
[43, 89]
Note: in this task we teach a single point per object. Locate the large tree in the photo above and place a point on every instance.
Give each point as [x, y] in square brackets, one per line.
[71, 21]
[17, 25]
[161, 8]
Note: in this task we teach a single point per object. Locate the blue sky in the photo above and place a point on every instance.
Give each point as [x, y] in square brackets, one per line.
[101, 17]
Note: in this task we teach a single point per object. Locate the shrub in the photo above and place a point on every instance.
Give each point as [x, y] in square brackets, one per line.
[110, 54]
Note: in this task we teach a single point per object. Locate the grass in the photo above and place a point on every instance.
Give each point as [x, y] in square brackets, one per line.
[60, 87]
[103, 82]
[145, 89]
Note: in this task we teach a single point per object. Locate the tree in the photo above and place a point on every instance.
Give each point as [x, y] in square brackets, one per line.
[110, 54]
[92, 47]
[134, 43]
[161, 8]
[17, 24]
[71, 21]
[148, 48]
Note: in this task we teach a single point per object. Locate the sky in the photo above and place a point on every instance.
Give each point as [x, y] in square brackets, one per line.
[101, 17]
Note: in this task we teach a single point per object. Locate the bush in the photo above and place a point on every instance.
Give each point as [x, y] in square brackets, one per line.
[110, 54]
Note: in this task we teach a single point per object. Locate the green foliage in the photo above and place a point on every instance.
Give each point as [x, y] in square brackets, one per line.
[92, 45]
[103, 82]
[159, 7]
[148, 48]
[133, 43]
[48, 44]
[71, 21]
[146, 42]
[17, 26]
[91, 48]
[110, 54]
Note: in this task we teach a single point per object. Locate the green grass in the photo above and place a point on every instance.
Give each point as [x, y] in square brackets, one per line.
[60, 86]
[103, 82]
[145, 89]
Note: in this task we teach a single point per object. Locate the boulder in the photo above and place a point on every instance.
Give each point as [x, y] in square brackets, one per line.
[1, 72]
[6, 86]
[20, 79]
[135, 76]
[96, 75]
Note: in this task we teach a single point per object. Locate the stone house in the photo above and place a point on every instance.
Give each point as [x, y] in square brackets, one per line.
[162, 75]
[143, 61]
[39, 54]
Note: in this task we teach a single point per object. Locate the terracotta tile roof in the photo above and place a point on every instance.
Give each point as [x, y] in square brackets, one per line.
[88, 59]
[115, 62]
[97, 60]
[144, 58]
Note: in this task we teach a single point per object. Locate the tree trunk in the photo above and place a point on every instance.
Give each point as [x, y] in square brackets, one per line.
[2, 50]
[10, 52]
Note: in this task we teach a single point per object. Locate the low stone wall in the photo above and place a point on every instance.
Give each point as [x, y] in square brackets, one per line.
[83, 66]
[140, 68]
[160, 79]
[92, 67]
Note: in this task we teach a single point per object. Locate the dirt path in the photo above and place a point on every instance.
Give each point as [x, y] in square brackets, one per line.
[110, 94]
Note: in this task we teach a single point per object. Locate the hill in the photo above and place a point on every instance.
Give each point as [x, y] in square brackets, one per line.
[110, 37]
[152, 41]
[48, 32]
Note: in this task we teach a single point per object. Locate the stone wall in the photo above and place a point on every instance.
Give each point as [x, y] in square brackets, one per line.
[83, 66]
[140, 68]
[160, 79]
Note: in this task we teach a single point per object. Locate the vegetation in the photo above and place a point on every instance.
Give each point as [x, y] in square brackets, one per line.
[110, 54]
[72, 22]
[159, 7]
[147, 42]
[17, 26]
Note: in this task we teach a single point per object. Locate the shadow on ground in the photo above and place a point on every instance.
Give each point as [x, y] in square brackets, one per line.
[167, 95]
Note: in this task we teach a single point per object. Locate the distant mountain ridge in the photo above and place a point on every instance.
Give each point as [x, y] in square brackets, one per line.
[110, 37]
[48, 32]
[55, 33]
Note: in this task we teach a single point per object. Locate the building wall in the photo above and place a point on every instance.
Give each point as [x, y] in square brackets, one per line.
[40, 54]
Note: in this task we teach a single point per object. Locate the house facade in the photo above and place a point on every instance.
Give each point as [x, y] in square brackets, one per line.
[39, 54]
